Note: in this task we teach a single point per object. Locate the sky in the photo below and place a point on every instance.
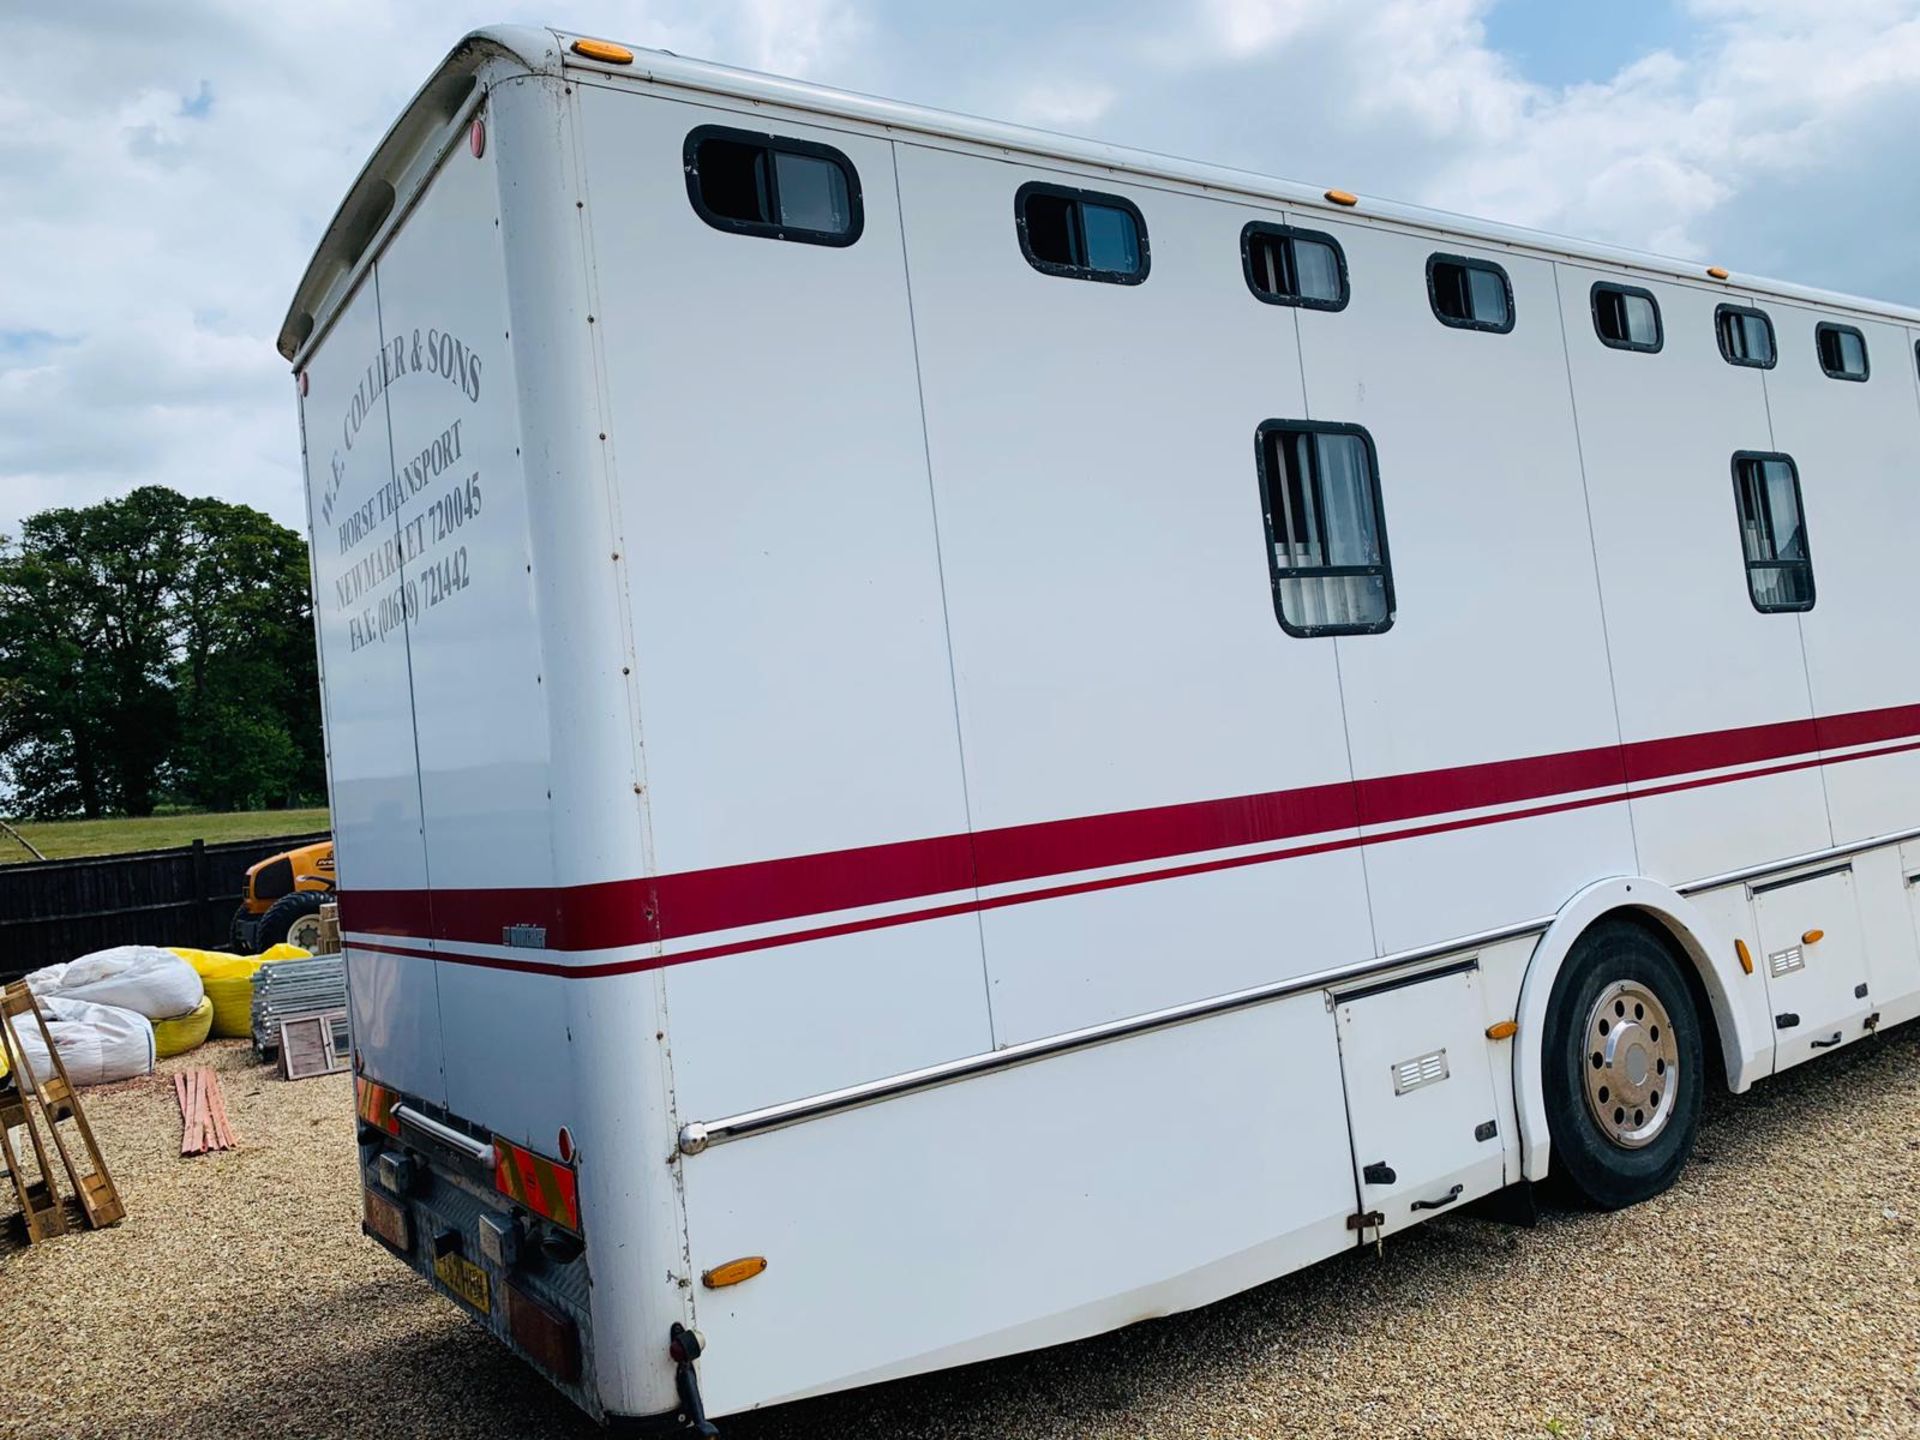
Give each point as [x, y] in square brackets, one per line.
[165, 171]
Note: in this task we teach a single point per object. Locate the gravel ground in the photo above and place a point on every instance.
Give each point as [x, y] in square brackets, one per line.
[1773, 1292]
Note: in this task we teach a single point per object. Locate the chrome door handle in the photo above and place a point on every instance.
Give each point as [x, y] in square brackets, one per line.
[1446, 1199]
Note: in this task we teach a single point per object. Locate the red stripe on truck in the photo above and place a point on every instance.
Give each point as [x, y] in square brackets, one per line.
[623, 913]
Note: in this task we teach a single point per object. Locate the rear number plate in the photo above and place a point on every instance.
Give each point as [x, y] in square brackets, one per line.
[386, 1221]
[465, 1279]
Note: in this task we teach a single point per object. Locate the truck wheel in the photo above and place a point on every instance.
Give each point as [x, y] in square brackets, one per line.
[294, 919]
[1623, 1067]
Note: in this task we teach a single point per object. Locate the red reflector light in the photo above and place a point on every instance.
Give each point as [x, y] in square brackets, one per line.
[477, 138]
[544, 1186]
[375, 1104]
[550, 1338]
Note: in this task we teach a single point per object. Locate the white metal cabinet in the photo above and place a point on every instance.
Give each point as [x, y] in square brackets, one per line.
[1814, 961]
[1420, 1097]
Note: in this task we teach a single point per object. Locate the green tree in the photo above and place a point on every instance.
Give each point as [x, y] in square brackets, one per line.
[156, 648]
[247, 679]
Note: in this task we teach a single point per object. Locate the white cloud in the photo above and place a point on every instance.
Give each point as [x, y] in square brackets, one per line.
[167, 178]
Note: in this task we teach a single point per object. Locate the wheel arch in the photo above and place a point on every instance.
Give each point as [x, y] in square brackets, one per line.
[1694, 935]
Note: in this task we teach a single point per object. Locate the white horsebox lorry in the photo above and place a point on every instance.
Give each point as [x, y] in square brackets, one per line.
[944, 739]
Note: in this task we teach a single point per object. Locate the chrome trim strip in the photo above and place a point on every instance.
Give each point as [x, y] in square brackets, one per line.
[1812, 857]
[696, 1135]
[445, 1134]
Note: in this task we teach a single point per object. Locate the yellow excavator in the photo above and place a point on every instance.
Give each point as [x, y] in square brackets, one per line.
[282, 900]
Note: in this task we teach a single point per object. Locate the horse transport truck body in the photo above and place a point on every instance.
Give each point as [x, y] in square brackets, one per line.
[943, 739]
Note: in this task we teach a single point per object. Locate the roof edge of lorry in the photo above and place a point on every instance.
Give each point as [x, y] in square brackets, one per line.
[375, 198]
[374, 201]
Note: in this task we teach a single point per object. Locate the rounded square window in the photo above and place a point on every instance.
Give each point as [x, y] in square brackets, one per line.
[753, 183]
[1625, 317]
[1081, 234]
[1470, 294]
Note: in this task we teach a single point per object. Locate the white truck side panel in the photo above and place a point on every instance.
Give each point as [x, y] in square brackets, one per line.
[1028, 1208]
[1114, 643]
[374, 783]
[1858, 450]
[1480, 478]
[785, 593]
[1690, 654]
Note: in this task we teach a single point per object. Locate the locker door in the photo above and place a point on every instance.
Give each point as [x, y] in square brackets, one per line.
[1420, 1098]
[1814, 961]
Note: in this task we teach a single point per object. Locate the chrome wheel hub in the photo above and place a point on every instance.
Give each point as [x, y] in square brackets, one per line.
[1631, 1065]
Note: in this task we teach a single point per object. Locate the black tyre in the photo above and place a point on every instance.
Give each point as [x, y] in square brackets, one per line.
[1623, 1067]
[295, 917]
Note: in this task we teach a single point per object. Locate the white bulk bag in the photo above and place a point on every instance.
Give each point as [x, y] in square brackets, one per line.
[97, 1043]
[145, 979]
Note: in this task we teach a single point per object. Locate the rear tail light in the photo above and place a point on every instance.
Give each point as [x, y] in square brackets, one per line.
[544, 1186]
[375, 1104]
[551, 1339]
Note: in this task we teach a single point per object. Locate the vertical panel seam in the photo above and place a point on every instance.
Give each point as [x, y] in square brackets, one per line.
[1593, 549]
[940, 572]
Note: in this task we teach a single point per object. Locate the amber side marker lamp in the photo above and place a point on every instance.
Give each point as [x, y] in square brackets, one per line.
[1718, 272]
[1813, 937]
[1505, 1030]
[1746, 955]
[733, 1272]
[603, 50]
[1343, 197]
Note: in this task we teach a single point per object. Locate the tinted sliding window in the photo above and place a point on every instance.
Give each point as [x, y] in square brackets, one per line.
[1285, 266]
[1627, 317]
[1746, 336]
[1081, 234]
[1470, 294]
[759, 184]
[1843, 351]
[1326, 536]
[1773, 531]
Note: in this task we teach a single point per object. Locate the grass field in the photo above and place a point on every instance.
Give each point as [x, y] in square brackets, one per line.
[64, 839]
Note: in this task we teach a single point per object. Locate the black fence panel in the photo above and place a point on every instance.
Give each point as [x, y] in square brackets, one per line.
[53, 910]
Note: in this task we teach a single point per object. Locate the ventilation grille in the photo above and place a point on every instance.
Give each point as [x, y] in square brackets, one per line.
[1428, 1069]
[1785, 962]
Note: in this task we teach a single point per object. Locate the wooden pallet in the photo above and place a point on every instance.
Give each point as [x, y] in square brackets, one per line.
[59, 1105]
[39, 1202]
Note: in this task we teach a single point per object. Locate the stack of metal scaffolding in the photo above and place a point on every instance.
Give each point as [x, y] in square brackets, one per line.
[283, 989]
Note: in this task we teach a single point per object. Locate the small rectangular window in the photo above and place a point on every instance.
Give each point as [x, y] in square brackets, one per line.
[1746, 336]
[1470, 294]
[1773, 532]
[1326, 535]
[1081, 234]
[1627, 317]
[770, 185]
[1843, 351]
[1285, 266]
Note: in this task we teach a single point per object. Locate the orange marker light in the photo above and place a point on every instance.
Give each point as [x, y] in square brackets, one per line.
[733, 1272]
[1813, 937]
[1746, 955]
[604, 50]
[1343, 197]
[1716, 272]
[1505, 1030]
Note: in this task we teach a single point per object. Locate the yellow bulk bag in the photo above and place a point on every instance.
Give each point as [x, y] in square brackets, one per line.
[229, 982]
[183, 1032]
